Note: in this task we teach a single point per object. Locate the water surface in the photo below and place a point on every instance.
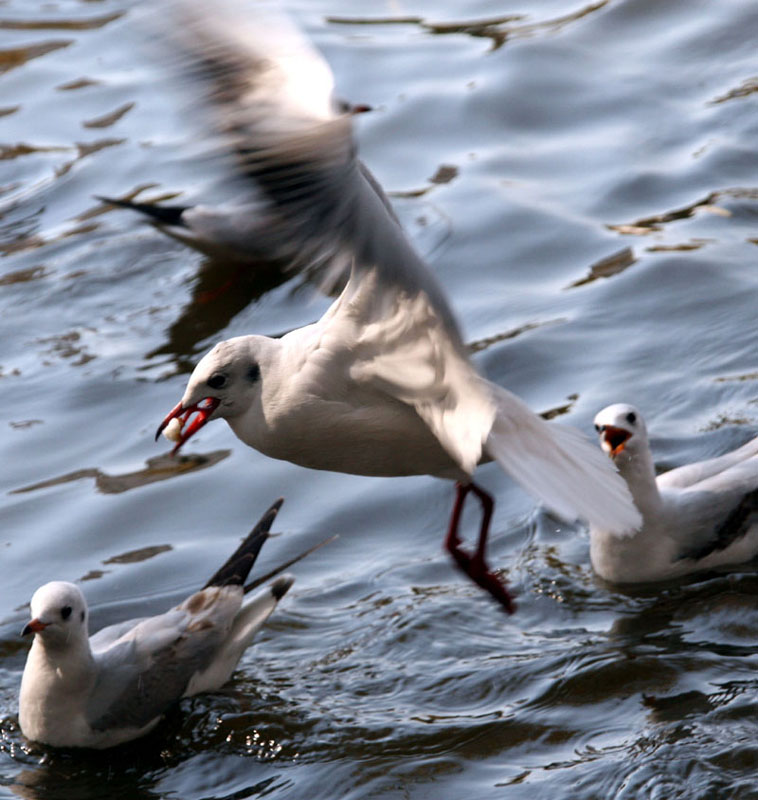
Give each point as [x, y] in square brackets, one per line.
[584, 181]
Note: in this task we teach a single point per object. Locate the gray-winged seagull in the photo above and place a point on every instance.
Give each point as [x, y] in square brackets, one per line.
[382, 383]
[100, 691]
[694, 517]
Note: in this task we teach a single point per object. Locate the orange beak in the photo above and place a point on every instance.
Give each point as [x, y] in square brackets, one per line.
[616, 439]
[33, 626]
[203, 409]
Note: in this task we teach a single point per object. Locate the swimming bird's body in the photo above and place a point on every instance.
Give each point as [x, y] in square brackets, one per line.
[695, 517]
[382, 384]
[100, 691]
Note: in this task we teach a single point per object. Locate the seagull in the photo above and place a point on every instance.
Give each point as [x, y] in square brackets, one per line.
[212, 230]
[694, 517]
[382, 384]
[226, 232]
[100, 691]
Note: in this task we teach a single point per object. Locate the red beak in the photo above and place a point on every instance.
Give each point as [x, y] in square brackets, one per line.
[616, 438]
[203, 409]
[33, 626]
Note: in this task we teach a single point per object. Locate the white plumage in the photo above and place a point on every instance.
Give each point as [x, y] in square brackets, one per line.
[382, 383]
[694, 517]
[100, 691]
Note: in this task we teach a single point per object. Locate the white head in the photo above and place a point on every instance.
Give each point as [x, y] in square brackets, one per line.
[226, 382]
[59, 614]
[622, 430]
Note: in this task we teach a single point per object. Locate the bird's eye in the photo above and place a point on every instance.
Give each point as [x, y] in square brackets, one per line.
[66, 612]
[217, 381]
[254, 373]
[599, 428]
[631, 418]
[81, 616]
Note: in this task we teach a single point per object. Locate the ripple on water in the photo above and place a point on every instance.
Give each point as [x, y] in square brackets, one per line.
[582, 179]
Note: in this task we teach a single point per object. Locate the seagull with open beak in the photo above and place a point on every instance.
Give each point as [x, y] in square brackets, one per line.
[694, 517]
[382, 384]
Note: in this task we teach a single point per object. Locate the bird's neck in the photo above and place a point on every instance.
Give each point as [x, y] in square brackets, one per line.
[54, 688]
[638, 470]
[68, 668]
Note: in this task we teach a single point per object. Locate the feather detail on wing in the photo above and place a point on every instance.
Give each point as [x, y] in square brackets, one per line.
[716, 511]
[150, 666]
[724, 521]
[271, 113]
[560, 466]
[247, 623]
[691, 474]
[404, 350]
[271, 103]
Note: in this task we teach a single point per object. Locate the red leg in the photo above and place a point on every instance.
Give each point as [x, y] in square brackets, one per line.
[476, 566]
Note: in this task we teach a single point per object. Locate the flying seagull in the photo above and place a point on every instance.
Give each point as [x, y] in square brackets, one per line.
[694, 517]
[225, 232]
[382, 384]
[100, 691]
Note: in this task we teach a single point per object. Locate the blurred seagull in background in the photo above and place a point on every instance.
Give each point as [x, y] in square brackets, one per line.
[382, 383]
[694, 517]
[228, 232]
[100, 691]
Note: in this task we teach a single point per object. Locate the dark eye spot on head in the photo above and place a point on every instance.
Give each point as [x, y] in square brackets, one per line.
[66, 612]
[631, 418]
[254, 373]
[598, 428]
[217, 381]
[81, 616]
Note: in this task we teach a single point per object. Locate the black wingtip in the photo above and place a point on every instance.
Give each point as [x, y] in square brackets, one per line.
[166, 215]
[281, 586]
[237, 567]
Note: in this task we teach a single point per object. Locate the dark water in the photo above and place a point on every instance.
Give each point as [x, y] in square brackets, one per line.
[585, 182]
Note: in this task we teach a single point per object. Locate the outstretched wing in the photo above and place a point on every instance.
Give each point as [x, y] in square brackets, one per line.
[271, 98]
[401, 346]
[269, 101]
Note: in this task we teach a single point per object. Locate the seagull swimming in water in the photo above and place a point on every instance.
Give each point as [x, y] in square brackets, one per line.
[694, 517]
[100, 691]
[382, 384]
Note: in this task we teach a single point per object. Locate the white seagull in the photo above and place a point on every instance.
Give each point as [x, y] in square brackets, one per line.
[100, 691]
[382, 384]
[694, 517]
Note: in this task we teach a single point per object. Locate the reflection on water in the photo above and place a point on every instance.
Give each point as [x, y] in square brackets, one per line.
[496, 338]
[522, 146]
[607, 267]
[709, 204]
[135, 556]
[18, 56]
[159, 468]
[499, 29]
[220, 291]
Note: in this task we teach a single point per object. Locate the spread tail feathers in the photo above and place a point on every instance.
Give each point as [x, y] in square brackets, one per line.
[248, 621]
[237, 567]
[560, 466]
